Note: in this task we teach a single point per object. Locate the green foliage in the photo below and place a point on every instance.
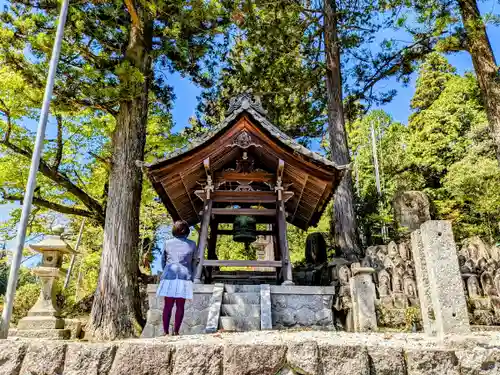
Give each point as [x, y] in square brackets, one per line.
[26, 296]
[444, 151]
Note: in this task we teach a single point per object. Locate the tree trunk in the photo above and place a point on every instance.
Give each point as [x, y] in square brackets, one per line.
[487, 71]
[116, 311]
[344, 220]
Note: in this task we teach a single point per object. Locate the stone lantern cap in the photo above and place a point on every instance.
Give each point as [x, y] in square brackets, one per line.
[53, 242]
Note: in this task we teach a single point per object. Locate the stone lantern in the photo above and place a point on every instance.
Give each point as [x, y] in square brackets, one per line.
[43, 318]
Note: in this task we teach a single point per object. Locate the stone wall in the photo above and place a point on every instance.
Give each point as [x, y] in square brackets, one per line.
[301, 306]
[195, 311]
[257, 353]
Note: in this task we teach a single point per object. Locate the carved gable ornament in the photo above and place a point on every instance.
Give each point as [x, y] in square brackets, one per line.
[243, 141]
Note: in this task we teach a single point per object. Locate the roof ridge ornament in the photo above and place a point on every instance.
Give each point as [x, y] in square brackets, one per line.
[246, 100]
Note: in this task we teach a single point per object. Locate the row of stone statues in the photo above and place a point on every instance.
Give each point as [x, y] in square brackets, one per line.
[395, 280]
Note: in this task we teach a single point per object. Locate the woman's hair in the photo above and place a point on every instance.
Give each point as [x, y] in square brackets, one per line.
[180, 229]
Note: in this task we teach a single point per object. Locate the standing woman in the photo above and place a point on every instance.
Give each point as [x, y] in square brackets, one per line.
[176, 285]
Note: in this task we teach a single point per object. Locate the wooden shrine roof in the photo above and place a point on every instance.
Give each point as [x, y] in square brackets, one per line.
[310, 178]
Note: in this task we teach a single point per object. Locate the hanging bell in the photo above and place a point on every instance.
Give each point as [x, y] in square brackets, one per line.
[245, 229]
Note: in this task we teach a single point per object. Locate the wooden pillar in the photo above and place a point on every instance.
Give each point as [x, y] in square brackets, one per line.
[283, 243]
[212, 246]
[202, 241]
[277, 251]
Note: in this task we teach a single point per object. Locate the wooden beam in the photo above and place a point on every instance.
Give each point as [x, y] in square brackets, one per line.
[244, 263]
[258, 232]
[228, 196]
[244, 211]
[229, 219]
[189, 195]
[231, 176]
[300, 197]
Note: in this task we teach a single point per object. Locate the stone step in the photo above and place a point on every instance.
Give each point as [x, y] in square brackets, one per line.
[231, 324]
[228, 288]
[244, 298]
[241, 311]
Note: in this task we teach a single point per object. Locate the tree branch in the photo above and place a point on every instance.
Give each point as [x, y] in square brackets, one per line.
[63, 181]
[133, 13]
[53, 206]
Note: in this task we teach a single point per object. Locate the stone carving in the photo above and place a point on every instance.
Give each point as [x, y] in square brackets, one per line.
[481, 274]
[394, 280]
[343, 301]
[315, 248]
[243, 141]
[245, 100]
[411, 208]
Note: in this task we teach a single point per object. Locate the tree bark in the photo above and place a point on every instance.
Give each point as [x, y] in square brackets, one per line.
[344, 228]
[486, 68]
[116, 311]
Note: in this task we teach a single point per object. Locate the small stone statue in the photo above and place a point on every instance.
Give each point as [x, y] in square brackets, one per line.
[473, 287]
[343, 302]
[384, 281]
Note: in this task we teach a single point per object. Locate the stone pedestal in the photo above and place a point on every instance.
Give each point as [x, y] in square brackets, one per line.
[43, 318]
[363, 298]
[439, 279]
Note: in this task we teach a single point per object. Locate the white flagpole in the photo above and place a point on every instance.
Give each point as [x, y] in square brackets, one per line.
[30, 186]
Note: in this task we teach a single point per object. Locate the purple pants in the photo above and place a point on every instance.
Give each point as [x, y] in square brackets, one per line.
[167, 313]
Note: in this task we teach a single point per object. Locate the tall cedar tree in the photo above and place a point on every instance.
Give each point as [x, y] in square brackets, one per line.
[300, 56]
[113, 59]
[457, 25]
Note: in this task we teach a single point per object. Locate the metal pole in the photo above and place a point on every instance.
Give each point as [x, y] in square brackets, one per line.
[71, 264]
[377, 175]
[30, 186]
[375, 160]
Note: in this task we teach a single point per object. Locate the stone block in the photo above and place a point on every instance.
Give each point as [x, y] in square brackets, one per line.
[431, 362]
[363, 298]
[44, 358]
[148, 332]
[75, 326]
[386, 361]
[305, 317]
[344, 359]
[253, 359]
[40, 322]
[265, 307]
[479, 361]
[47, 334]
[11, 357]
[324, 318]
[303, 357]
[142, 359]
[423, 286]
[197, 360]
[241, 298]
[214, 309]
[241, 310]
[445, 279]
[89, 359]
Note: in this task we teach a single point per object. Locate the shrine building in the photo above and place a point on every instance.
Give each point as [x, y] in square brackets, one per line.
[245, 172]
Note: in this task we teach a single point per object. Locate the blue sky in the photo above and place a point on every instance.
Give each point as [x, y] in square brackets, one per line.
[186, 92]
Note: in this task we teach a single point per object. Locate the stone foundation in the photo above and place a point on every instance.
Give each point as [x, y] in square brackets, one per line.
[258, 353]
[195, 311]
[291, 306]
[301, 306]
